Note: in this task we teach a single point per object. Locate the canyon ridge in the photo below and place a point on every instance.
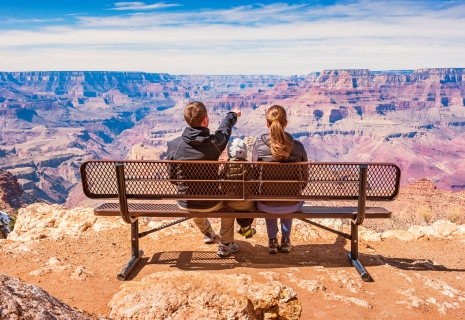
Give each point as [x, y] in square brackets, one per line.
[53, 121]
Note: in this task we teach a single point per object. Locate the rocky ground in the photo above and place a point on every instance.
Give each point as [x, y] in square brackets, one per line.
[75, 257]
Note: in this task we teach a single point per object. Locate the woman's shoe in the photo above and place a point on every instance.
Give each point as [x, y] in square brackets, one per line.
[285, 245]
[273, 246]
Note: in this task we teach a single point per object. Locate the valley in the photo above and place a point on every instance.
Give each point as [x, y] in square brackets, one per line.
[53, 121]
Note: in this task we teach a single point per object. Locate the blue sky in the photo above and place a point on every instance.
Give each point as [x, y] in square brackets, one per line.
[230, 37]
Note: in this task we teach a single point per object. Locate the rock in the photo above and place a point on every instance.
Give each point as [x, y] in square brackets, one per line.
[311, 285]
[24, 301]
[39, 220]
[52, 265]
[444, 228]
[270, 275]
[369, 235]
[4, 221]
[418, 232]
[399, 234]
[460, 230]
[10, 192]
[439, 229]
[81, 273]
[348, 300]
[203, 295]
[350, 280]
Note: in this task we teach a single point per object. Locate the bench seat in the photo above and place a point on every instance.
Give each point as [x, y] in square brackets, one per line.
[172, 210]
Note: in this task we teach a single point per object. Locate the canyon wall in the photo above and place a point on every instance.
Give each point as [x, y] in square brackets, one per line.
[53, 121]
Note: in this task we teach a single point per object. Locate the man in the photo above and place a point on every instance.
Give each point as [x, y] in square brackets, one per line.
[196, 143]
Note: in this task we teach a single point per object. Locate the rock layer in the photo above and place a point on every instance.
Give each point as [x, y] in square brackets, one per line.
[52, 121]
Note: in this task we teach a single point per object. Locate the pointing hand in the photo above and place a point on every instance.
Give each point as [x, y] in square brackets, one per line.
[237, 111]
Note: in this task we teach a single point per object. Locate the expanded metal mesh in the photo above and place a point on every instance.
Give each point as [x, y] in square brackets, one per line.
[239, 180]
[169, 207]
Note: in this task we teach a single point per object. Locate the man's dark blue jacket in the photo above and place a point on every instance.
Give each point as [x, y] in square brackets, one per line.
[198, 144]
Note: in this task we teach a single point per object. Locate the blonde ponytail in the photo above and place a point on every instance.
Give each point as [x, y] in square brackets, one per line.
[280, 144]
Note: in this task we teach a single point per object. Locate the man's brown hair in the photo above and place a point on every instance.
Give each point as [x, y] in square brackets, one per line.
[194, 113]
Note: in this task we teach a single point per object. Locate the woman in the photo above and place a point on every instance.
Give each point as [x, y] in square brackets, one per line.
[278, 146]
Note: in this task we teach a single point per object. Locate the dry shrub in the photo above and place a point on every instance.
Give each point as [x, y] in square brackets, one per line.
[426, 214]
[454, 214]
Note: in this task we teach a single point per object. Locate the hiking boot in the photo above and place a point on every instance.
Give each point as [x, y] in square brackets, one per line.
[209, 237]
[272, 246]
[285, 245]
[226, 250]
[247, 233]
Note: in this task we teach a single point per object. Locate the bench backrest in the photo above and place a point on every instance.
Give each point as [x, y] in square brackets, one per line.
[222, 180]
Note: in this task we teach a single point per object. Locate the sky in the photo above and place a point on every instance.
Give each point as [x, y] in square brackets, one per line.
[231, 37]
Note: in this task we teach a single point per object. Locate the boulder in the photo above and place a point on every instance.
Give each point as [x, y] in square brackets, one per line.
[41, 220]
[369, 235]
[204, 295]
[444, 228]
[24, 301]
[439, 229]
[460, 230]
[419, 232]
[399, 234]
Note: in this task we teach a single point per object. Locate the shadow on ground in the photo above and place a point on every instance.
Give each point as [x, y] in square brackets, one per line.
[332, 255]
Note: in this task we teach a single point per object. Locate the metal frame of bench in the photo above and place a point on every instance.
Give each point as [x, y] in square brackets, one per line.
[159, 180]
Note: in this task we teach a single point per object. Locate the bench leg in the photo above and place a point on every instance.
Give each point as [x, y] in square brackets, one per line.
[136, 254]
[353, 254]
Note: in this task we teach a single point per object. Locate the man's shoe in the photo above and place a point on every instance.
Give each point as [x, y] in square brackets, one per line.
[224, 251]
[272, 246]
[209, 237]
[285, 245]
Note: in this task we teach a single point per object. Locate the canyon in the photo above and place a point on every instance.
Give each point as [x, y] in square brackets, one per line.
[53, 121]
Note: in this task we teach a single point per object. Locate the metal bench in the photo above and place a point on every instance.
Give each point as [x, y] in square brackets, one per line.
[260, 181]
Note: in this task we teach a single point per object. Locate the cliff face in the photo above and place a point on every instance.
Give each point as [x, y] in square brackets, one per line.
[10, 192]
[52, 121]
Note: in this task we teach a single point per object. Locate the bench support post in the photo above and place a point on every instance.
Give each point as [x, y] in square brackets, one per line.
[353, 254]
[136, 254]
[123, 202]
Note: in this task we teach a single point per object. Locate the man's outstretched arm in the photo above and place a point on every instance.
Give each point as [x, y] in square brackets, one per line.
[224, 131]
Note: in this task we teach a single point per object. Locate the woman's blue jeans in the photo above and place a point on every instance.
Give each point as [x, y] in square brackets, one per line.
[272, 224]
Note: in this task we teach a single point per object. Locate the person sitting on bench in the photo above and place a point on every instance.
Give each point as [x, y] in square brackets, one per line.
[280, 146]
[196, 143]
[237, 151]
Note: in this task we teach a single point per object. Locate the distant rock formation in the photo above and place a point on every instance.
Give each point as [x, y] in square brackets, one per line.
[10, 192]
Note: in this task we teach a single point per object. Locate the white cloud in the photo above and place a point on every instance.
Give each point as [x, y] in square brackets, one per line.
[141, 6]
[272, 39]
[34, 20]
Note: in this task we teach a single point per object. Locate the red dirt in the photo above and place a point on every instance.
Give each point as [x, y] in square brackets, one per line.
[105, 253]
